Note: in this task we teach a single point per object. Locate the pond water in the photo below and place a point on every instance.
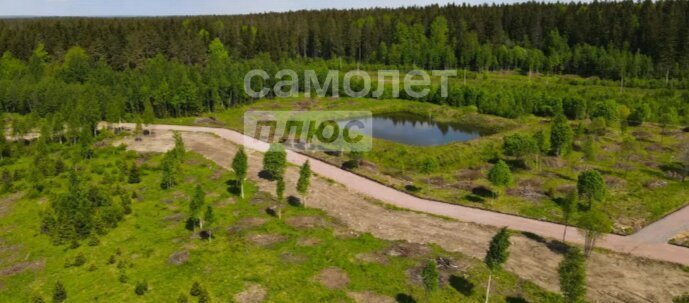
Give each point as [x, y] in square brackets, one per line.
[418, 130]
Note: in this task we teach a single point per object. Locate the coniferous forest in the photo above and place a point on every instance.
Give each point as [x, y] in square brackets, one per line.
[141, 68]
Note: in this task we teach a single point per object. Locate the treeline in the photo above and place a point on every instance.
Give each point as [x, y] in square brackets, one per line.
[70, 95]
[608, 39]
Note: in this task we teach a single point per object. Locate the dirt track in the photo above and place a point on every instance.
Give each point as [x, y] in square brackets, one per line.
[612, 277]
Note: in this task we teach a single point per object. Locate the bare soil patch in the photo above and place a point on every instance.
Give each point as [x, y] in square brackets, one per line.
[305, 222]
[265, 240]
[653, 184]
[293, 258]
[528, 189]
[179, 257]
[6, 202]
[372, 257]
[247, 223]
[261, 198]
[253, 293]
[407, 250]
[175, 218]
[469, 175]
[333, 278]
[369, 297]
[20, 267]
[553, 162]
[308, 242]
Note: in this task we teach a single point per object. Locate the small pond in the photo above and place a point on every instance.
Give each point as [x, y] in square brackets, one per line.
[419, 130]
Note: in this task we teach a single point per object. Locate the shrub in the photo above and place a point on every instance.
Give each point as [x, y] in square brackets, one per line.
[141, 288]
[195, 289]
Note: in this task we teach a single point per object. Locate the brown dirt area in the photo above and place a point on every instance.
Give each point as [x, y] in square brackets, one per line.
[253, 293]
[611, 277]
[369, 297]
[6, 202]
[20, 267]
[308, 242]
[265, 240]
[305, 222]
[333, 278]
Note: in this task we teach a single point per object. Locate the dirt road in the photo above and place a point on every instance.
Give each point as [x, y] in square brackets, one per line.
[612, 277]
[651, 243]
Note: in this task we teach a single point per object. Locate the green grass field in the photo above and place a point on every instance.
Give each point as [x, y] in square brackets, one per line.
[249, 247]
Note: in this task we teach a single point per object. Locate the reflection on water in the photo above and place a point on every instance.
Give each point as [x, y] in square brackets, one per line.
[412, 129]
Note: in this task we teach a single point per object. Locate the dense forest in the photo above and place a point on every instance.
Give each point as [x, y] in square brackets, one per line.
[609, 39]
[77, 71]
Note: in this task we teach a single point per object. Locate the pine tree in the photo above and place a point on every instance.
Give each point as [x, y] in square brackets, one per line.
[497, 255]
[196, 289]
[304, 181]
[179, 150]
[209, 218]
[196, 203]
[59, 293]
[182, 298]
[37, 299]
[240, 167]
[134, 177]
[169, 172]
[204, 296]
[572, 272]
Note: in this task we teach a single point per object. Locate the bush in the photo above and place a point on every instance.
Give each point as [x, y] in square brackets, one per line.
[79, 260]
[141, 288]
[93, 241]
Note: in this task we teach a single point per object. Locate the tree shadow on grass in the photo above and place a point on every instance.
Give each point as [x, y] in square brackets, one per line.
[264, 174]
[233, 187]
[404, 298]
[294, 201]
[475, 198]
[462, 285]
[482, 192]
[515, 300]
[553, 245]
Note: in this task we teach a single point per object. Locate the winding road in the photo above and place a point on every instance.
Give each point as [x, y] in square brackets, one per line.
[651, 242]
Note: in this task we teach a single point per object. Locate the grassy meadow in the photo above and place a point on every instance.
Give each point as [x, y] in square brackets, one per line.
[251, 256]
